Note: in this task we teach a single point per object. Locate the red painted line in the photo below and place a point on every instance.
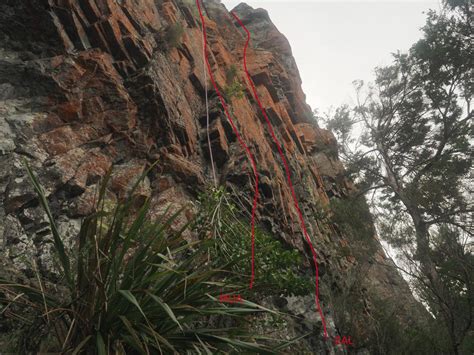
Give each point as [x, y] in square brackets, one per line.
[242, 143]
[287, 170]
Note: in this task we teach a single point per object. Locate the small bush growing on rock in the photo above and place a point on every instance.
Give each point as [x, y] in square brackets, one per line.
[173, 35]
[231, 73]
[353, 218]
[277, 268]
[234, 90]
[234, 87]
[191, 4]
[322, 211]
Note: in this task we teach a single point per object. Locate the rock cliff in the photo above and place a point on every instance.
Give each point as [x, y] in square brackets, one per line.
[90, 85]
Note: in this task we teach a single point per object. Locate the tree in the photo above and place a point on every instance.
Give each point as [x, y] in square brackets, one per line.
[415, 155]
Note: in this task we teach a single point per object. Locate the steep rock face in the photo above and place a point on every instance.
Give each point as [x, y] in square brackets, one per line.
[91, 85]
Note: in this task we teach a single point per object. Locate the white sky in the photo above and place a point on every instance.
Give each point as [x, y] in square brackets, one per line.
[337, 41]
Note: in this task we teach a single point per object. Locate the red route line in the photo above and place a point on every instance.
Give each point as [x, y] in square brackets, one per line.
[239, 138]
[270, 128]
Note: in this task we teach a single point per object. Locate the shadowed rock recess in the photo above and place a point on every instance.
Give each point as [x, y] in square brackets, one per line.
[90, 85]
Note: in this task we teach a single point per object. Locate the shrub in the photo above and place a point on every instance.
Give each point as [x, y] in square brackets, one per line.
[231, 73]
[173, 35]
[131, 286]
[390, 336]
[352, 217]
[234, 90]
[277, 269]
[191, 5]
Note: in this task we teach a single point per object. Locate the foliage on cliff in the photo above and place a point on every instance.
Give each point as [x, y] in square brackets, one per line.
[277, 269]
[130, 285]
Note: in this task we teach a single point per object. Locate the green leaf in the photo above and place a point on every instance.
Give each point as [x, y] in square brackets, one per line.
[136, 343]
[81, 345]
[58, 243]
[167, 309]
[131, 298]
[100, 345]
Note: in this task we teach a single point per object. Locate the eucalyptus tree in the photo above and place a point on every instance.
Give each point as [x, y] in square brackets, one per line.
[413, 154]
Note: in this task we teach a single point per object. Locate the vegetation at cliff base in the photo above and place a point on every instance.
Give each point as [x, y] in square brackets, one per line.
[278, 268]
[131, 285]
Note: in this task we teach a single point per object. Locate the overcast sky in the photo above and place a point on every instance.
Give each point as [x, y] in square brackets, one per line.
[337, 41]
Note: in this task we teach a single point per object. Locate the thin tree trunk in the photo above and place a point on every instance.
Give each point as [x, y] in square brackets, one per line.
[428, 267]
